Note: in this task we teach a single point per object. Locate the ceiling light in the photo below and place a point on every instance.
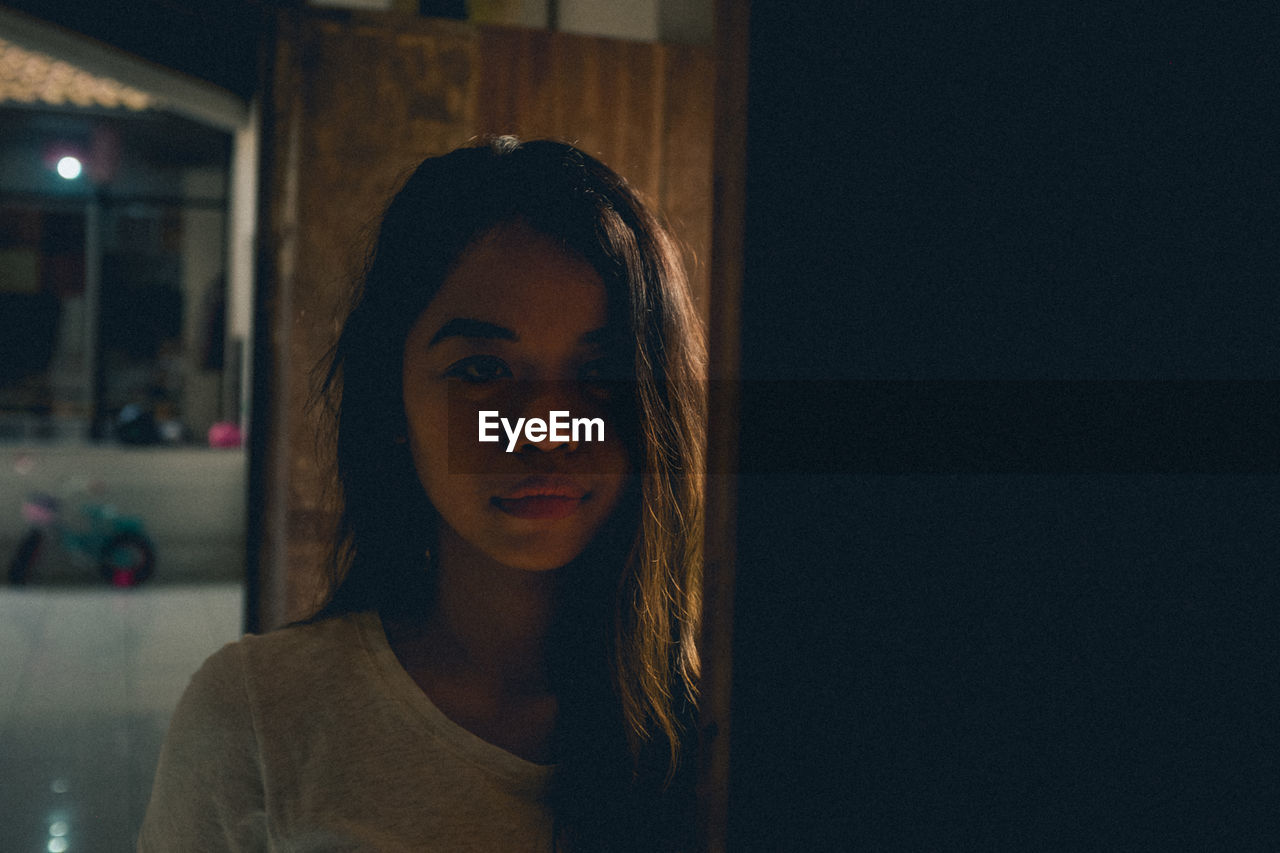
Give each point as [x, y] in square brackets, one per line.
[69, 167]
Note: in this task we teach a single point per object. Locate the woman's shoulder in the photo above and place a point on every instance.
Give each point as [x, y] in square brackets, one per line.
[289, 660]
[334, 632]
[237, 726]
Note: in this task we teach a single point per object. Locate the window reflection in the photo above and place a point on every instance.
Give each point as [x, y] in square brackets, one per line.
[112, 279]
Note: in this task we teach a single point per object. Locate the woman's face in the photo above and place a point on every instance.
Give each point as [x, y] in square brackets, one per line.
[518, 329]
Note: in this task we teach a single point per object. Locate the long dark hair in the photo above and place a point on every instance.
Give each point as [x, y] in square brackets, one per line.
[624, 659]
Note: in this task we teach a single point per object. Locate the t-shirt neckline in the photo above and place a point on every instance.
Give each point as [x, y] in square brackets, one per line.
[517, 772]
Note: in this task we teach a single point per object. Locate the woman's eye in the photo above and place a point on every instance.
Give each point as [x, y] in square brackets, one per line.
[479, 369]
[602, 373]
[600, 370]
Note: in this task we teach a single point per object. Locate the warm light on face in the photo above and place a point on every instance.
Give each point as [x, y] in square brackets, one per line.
[515, 331]
[69, 168]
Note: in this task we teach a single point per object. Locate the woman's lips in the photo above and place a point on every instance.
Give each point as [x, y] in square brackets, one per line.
[539, 506]
[546, 496]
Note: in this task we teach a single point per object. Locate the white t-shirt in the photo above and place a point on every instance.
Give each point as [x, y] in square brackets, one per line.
[314, 738]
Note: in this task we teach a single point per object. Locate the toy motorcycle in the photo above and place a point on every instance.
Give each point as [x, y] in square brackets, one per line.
[117, 544]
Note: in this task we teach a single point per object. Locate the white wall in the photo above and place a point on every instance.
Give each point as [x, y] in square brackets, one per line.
[241, 255]
[633, 19]
[191, 500]
[682, 21]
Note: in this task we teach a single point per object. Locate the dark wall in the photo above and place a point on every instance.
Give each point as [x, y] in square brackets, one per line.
[945, 639]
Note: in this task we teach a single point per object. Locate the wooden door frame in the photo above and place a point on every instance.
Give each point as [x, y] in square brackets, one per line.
[729, 172]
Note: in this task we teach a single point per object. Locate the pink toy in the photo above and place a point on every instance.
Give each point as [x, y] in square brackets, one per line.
[225, 434]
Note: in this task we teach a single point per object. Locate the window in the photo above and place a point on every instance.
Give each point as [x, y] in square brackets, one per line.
[112, 277]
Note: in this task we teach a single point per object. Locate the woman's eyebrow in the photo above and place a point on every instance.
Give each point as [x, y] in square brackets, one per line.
[465, 327]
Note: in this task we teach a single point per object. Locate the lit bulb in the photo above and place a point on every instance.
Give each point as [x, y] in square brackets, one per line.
[69, 168]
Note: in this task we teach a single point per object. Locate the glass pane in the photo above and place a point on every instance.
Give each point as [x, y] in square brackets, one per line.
[44, 363]
[112, 278]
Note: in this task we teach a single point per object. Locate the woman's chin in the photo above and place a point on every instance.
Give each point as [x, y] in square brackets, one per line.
[537, 561]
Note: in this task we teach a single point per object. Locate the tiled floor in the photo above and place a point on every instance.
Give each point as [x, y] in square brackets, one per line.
[88, 679]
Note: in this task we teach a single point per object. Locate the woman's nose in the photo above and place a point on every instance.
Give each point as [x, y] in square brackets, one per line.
[553, 431]
[549, 412]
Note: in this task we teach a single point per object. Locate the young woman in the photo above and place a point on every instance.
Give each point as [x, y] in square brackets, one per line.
[507, 657]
